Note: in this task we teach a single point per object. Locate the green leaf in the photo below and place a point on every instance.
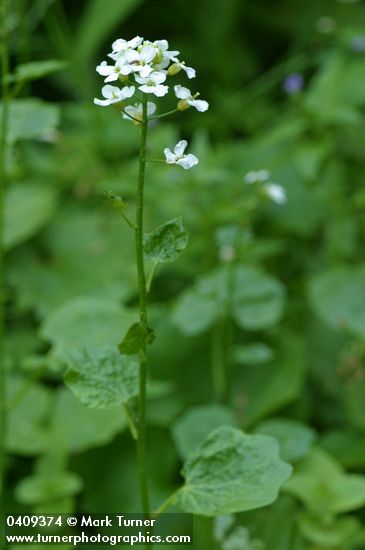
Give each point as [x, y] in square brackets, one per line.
[102, 377]
[197, 423]
[86, 321]
[255, 300]
[166, 242]
[232, 472]
[258, 299]
[40, 488]
[336, 534]
[348, 447]
[254, 353]
[31, 119]
[137, 337]
[28, 207]
[338, 297]
[75, 239]
[295, 439]
[36, 69]
[29, 405]
[76, 428]
[322, 485]
[284, 380]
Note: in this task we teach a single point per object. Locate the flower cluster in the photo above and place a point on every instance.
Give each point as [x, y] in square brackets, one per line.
[140, 66]
[273, 191]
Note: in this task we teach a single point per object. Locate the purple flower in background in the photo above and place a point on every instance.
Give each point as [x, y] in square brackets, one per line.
[358, 44]
[293, 83]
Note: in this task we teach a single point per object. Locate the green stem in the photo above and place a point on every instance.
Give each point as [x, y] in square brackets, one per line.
[150, 277]
[143, 365]
[218, 360]
[170, 501]
[131, 424]
[3, 154]
[164, 114]
[126, 219]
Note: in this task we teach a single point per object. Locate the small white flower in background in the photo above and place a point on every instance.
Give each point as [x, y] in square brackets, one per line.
[257, 176]
[227, 253]
[178, 156]
[136, 111]
[113, 94]
[153, 84]
[275, 192]
[187, 99]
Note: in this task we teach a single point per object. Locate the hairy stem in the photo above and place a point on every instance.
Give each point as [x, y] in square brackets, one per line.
[143, 365]
[3, 147]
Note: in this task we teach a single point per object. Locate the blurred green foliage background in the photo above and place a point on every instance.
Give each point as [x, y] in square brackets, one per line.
[292, 337]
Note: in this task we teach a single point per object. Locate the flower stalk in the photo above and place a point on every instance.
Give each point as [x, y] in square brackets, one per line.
[143, 364]
[142, 68]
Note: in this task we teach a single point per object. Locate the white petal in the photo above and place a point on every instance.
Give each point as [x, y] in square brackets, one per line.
[188, 161]
[158, 77]
[180, 147]
[276, 192]
[160, 90]
[112, 77]
[151, 107]
[135, 42]
[147, 53]
[109, 91]
[104, 69]
[145, 71]
[191, 73]
[140, 79]
[131, 56]
[102, 102]
[199, 104]
[181, 92]
[170, 157]
[119, 45]
[127, 91]
[125, 70]
[163, 44]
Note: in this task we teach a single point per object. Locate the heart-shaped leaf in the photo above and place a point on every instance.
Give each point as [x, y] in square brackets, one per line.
[232, 472]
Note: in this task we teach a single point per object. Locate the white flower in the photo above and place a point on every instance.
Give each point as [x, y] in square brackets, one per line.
[153, 84]
[136, 111]
[187, 99]
[113, 94]
[276, 192]
[178, 157]
[112, 72]
[180, 65]
[121, 45]
[258, 176]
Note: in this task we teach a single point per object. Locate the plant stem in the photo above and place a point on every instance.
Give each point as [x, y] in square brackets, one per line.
[131, 424]
[150, 277]
[3, 153]
[165, 505]
[164, 114]
[143, 365]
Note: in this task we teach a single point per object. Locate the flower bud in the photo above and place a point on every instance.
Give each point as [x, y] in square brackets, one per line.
[183, 105]
[174, 69]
